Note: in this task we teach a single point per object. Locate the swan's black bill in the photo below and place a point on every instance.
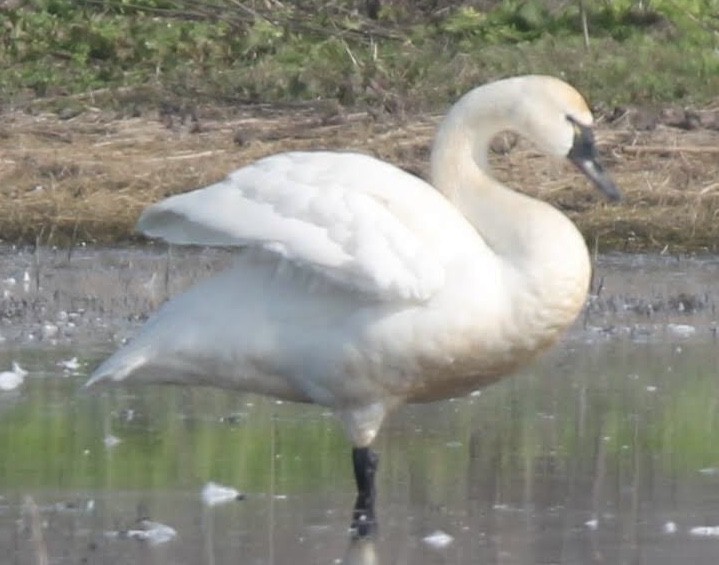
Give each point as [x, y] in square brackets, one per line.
[584, 155]
[595, 173]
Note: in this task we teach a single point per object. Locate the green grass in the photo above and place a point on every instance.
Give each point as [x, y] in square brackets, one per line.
[411, 58]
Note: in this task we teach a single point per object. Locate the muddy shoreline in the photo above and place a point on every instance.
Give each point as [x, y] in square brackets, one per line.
[99, 296]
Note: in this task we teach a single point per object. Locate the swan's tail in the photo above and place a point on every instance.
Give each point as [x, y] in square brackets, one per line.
[118, 367]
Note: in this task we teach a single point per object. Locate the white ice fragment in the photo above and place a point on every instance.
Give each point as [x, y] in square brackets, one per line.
[49, 330]
[214, 494]
[475, 393]
[438, 539]
[159, 533]
[10, 380]
[18, 369]
[651, 388]
[592, 524]
[69, 365]
[704, 531]
[111, 441]
[681, 330]
[154, 533]
[709, 471]
[670, 528]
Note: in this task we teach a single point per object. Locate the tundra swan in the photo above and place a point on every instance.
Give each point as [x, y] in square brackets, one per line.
[366, 287]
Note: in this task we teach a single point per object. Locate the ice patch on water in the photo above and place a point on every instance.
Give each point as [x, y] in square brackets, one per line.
[111, 441]
[704, 532]
[438, 539]
[10, 380]
[681, 330]
[592, 524]
[154, 533]
[69, 366]
[214, 494]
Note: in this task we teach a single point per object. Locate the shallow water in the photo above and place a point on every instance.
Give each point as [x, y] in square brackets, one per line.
[604, 451]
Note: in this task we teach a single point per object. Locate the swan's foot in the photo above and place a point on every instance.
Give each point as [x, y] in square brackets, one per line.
[365, 462]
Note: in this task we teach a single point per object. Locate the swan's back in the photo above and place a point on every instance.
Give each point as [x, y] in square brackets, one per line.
[346, 216]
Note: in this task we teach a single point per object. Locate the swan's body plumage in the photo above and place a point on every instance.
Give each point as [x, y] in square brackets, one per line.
[330, 213]
[363, 287]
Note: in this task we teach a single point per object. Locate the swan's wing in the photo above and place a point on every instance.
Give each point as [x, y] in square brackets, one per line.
[349, 218]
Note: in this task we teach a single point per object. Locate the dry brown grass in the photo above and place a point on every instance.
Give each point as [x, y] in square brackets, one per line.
[87, 178]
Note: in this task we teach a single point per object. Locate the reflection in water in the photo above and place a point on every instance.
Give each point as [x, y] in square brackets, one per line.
[584, 459]
[603, 452]
[361, 551]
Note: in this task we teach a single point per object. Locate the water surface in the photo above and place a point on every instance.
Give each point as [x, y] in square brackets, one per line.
[604, 451]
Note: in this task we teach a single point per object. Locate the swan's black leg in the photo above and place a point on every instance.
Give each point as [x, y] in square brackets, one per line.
[365, 463]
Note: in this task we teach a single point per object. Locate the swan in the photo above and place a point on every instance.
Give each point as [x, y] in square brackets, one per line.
[363, 287]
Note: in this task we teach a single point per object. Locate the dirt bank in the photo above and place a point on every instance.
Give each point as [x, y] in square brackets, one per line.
[84, 175]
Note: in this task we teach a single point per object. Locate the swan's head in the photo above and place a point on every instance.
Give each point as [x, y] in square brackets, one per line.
[557, 119]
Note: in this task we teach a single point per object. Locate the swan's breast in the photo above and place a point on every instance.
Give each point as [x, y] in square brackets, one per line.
[490, 319]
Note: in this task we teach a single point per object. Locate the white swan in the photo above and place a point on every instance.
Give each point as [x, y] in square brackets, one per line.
[368, 287]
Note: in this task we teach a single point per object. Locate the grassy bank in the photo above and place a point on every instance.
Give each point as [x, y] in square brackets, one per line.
[110, 105]
[411, 56]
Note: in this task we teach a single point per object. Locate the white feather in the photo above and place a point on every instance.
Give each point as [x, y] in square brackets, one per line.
[330, 213]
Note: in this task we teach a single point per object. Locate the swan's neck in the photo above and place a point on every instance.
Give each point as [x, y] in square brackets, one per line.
[462, 142]
[537, 247]
[460, 167]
